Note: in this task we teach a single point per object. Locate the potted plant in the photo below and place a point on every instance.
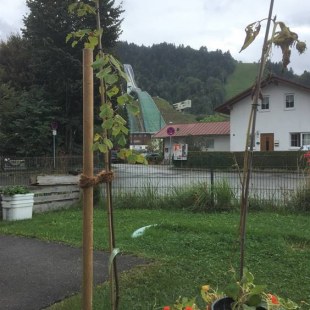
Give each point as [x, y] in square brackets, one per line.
[238, 295]
[17, 203]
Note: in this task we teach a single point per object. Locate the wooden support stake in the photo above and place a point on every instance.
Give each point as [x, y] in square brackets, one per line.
[88, 135]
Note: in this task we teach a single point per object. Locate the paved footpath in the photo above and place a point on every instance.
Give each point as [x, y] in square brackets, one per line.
[35, 274]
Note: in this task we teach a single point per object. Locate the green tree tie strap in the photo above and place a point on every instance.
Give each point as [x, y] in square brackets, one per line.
[102, 177]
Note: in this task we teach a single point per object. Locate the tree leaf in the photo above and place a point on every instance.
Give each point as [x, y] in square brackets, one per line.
[254, 300]
[258, 289]
[110, 79]
[108, 124]
[102, 148]
[113, 91]
[93, 42]
[106, 111]
[103, 73]
[97, 137]
[133, 109]
[68, 37]
[232, 290]
[108, 143]
[251, 34]
[99, 62]
[122, 140]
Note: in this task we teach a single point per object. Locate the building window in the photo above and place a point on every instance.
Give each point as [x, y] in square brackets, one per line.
[295, 139]
[289, 101]
[299, 139]
[305, 139]
[210, 143]
[265, 103]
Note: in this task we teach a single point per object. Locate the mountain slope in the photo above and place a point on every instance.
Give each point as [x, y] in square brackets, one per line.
[242, 78]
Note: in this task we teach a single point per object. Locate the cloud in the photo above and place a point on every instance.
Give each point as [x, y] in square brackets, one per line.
[11, 15]
[215, 24]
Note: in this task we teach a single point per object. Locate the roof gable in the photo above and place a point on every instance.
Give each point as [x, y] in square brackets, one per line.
[195, 129]
[272, 79]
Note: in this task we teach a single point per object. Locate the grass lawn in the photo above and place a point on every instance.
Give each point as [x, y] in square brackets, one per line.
[187, 250]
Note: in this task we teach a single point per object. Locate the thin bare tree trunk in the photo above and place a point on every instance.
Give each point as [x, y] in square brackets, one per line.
[113, 277]
[250, 140]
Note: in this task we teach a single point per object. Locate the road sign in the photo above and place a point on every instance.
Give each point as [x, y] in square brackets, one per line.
[170, 131]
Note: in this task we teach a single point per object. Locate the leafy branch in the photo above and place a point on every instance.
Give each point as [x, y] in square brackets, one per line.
[283, 38]
[110, 72]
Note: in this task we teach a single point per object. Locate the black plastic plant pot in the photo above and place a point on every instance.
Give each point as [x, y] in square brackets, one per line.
[225, 304]
[222, 304]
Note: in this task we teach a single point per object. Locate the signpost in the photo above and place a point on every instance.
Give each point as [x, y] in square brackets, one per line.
[170, 133]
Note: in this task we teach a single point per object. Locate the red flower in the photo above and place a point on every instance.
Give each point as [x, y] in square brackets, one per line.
[166, 308]
[307, 155]
[188, 308]
[274, 299]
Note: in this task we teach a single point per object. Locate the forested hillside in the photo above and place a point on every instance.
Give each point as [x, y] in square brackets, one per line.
[208, 78]
[177, 73]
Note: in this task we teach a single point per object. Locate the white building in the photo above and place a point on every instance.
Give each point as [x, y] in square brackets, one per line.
[283, 116]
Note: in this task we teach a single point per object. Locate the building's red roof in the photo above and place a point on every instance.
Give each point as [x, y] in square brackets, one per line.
[195, 129]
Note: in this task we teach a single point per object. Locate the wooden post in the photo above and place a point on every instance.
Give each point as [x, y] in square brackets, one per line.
[88, 135]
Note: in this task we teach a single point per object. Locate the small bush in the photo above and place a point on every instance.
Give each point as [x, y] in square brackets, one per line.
[301, 199]
[14, 190]
[225, 199]
[196, 198]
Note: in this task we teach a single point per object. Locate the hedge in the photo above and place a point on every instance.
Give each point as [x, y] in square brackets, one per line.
[288, 160]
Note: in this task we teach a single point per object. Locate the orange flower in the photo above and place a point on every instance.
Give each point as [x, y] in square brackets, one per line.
[188, 308]
[274, 300]
[166, 308]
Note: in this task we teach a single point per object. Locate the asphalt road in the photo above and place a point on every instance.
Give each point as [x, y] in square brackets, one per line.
[36, 274]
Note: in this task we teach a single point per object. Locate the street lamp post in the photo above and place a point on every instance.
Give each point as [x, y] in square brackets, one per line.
[54, 126]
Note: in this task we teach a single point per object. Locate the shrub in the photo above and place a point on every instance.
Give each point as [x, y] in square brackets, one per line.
[224, 196]
[301, 199]
[13, 190]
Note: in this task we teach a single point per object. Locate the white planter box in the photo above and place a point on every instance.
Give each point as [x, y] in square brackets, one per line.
[17, 207]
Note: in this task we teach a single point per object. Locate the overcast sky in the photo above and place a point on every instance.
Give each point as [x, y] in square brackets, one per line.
[215, 24]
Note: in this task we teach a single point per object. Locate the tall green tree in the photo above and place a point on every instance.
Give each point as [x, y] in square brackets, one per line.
[55, 65]
[25, 122]
[15, 63]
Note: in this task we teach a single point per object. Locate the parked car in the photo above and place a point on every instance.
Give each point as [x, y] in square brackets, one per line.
[155, 158]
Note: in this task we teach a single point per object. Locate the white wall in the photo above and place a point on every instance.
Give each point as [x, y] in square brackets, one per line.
[221, 143]
[277, 120]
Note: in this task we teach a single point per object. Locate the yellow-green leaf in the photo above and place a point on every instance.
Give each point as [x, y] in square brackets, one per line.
[106, 111]
[68, 37]
[104, 73]
[102, 148]
[252, 31]
[108, 124]
[97, 137]
[133, 109]
[113, 91]
[108, 143]
[122, 140]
